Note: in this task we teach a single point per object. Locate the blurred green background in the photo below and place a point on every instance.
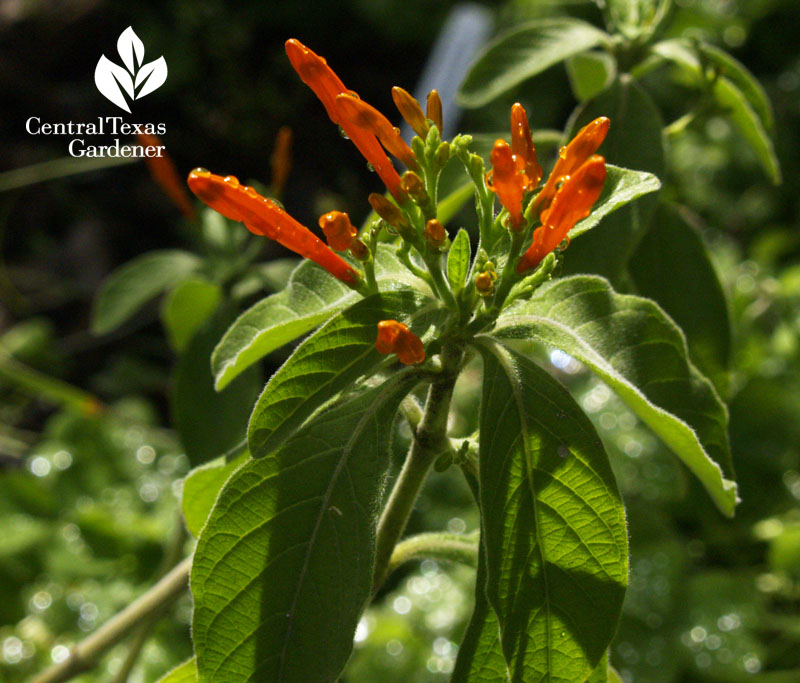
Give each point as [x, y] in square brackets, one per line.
[89, 502]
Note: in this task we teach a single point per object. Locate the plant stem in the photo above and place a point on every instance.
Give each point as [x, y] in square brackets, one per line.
[85, 654]
[436, 545]
[49, 388]
[510, 274]
[429, 441]
[172, 553]
[434, 264]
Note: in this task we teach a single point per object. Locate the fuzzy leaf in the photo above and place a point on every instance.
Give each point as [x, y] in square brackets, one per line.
[201, 488]
[184, 673]
[311, 297]
[458, 260]
[641, 354]
[283, 568]
[524, 52]
[553, 523]
[329, 361]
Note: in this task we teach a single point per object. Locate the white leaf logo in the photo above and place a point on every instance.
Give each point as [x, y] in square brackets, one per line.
[135, 80]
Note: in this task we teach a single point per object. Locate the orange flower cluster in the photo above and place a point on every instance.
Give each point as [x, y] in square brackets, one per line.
[572, 203]
[574, 185]
[577, 179]
[395, 337]
[263, 217]
[366, 127]
[515, 169]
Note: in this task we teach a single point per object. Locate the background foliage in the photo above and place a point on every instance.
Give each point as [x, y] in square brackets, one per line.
[89, 497]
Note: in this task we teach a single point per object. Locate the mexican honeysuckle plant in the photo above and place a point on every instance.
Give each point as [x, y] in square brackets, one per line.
[296, 536]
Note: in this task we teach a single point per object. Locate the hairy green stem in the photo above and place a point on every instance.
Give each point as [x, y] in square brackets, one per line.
[84, 655]
[430, 440]
[462, 548]
[434, 264]
[510, 274]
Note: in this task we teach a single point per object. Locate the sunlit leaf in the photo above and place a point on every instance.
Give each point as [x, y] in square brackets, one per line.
[283, 568]
[311, 297]
[458, 260]
[201, 488]
[185, 673]
[480, 655]
[524, 52]
[622, 186]
[330, 361]
[553, 523]
[642, 355]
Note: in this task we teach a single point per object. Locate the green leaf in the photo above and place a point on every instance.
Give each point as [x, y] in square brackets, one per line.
[738, 94]
[184, 673]
[187, 307]
[641, 354]
[330, 361]
[209, 422]
[524, 52]
[622, 187]
[200, 490]
[553, 523]
[672, 266]
[311, 297]
[480, 655]
[283, 568]
[637, 19]
[127, 289]
[737, 73]
[458, 260]
[749, 125]
[590, 73]
[57, 168]
[633, 141]
[604, 672]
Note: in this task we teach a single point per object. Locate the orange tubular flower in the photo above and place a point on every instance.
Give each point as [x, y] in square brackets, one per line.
[281, 160]
[366, 117]
[163, 171]
[434, 109]
[394, 337]
[263, 217]
[317, 75]
[338, 230]
[573, 202]
[579, 149]
[411, 111]
[508, 179]
[522, 143]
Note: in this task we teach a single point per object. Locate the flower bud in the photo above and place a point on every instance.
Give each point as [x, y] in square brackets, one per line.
[435, 234]
[434, 109]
